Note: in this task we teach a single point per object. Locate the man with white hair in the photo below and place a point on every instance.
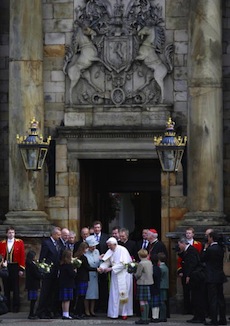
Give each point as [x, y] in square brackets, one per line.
[155, 246]
[121, 287]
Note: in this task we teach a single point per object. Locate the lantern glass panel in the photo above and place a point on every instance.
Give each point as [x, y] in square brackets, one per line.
[42, 156]
[30, 157]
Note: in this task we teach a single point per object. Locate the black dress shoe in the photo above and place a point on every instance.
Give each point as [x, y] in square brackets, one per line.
[32, 317]
[222, 322]
[195, 321]
[210, 323]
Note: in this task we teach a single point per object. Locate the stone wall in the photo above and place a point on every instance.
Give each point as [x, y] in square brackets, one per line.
[4, 92]
[226, 104]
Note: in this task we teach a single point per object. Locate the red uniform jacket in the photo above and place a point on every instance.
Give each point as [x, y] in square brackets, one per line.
[18, 252]
[197, 245]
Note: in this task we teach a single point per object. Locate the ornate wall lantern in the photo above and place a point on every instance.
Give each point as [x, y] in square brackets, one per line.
[32, 148]
[170, 149]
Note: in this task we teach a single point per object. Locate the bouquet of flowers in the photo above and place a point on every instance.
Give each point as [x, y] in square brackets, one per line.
[76, 262]
[131, 267]
[44, 267]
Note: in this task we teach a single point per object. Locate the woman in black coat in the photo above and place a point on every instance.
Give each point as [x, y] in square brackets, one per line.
[82, 279]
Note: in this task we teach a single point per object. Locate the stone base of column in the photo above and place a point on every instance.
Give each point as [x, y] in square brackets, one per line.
[28, 223]
[201, 221]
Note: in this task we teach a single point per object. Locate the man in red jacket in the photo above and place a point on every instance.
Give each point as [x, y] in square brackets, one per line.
[13, 251]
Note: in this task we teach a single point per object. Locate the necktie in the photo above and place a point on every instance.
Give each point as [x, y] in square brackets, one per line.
[56, 245]
[97, 237]
[145, 244]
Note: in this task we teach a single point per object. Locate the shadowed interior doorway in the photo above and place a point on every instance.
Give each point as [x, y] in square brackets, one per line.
[121, 192]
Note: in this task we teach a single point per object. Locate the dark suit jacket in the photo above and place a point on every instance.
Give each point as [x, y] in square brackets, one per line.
[139, 245]
[130, 245]
[155, 248]
[76, 245]
[213, 258]
[190, 260]
[102, 246]
[50, 254]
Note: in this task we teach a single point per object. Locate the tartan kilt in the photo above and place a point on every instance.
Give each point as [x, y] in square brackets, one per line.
[155, 301]
[66, 294]
[81, 288]
[143, 293]
[32, 295]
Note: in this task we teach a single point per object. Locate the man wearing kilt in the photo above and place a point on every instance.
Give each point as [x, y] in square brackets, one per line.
[144, 277]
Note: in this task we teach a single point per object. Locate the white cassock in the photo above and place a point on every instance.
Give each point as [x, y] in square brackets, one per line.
[121, 285]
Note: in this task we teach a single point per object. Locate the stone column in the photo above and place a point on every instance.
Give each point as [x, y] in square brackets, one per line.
[26, 189]
[205, 144]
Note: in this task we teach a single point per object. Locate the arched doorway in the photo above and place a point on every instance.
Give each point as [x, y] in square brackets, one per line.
[121, 192]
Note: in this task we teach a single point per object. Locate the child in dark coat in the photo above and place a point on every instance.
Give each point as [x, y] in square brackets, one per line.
[156, 290]
[33, 277]
[66, 282]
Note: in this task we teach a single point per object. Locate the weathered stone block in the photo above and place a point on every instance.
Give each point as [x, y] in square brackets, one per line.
[181, 47]
[63, 10]
[53, 87]
[61, 151]
[62, 191]
[61, 165]
[54, 51]
[180, 96]
[47, 11]
[58, 25]
[54, 38]
[57, 76]
[58, 214]
[53, 202]
[63, 179]
[176, 191]
[181, 36]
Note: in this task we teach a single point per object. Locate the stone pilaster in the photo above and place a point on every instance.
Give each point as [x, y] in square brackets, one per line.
[26, 189]
[205, 143]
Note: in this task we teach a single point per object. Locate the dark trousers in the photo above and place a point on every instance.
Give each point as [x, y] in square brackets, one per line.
[103, 284]
[11, 283]
[186, 296]
[49, 303]
[197, 298]
[217, 305]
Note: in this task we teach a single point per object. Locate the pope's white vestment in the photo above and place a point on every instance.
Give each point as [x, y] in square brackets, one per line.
[121, 285]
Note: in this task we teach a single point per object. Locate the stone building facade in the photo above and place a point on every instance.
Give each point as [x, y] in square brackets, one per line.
[103, 114]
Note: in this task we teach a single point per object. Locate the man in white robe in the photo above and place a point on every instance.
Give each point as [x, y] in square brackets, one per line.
[121, 285]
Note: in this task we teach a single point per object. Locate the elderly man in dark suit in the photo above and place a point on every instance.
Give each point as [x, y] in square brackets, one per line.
[190, 264]
[213, 255]
[155, 246]
[50, 251]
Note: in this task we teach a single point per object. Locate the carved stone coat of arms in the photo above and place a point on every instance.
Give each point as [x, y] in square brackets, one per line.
[118, 55]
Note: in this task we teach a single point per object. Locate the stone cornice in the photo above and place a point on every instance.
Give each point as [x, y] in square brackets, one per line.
[73, 132]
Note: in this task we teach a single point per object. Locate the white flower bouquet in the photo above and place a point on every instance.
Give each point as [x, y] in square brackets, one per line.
[44, 267]
[131, 267]
[76, 262]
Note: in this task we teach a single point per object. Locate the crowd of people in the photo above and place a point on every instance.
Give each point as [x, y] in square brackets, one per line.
[113, 274]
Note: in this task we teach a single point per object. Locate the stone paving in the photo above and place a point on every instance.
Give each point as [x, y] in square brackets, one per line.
[21, 320]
